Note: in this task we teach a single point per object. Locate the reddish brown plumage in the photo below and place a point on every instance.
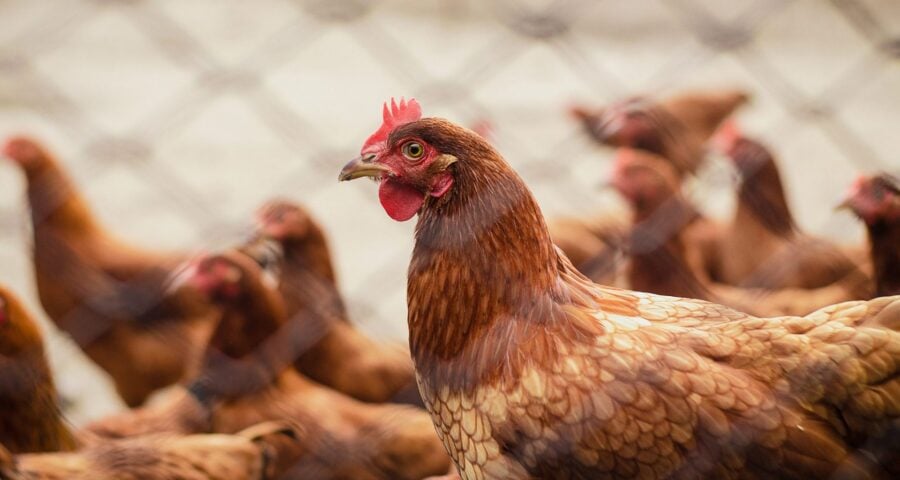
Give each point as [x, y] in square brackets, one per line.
[30, 419]
[247, 378]
[766, 249]
[529, 370]
[657, 254]
[247, 455]
[876, 200]
[108, 295]
[659, 261]
[593, 243]
[331, 350]
[676, 128]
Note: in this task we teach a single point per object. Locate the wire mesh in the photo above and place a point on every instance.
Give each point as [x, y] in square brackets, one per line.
[178, 119]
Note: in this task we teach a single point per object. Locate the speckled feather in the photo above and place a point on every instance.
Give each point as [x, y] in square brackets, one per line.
[529, 370]
[247, 455]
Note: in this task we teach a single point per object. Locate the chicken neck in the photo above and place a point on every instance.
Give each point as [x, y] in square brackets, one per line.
[884, 238]
[485, 280]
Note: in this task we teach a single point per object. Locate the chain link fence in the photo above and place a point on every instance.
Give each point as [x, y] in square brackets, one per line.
[179, 118]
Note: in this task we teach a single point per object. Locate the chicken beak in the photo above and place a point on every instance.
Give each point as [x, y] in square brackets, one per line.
[364, 166]
[846, 204]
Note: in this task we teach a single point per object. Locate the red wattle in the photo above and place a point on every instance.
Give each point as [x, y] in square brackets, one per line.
[400, 201]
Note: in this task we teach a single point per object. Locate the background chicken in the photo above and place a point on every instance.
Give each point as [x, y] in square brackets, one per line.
[657, 255]
[30, 419]
[550, 375]
[876, 200]
[330, 349]
[109, 296]
[247, 455]
[247, 372]
[676, 128]
[766, 247]
[665, 256]
[247, 378]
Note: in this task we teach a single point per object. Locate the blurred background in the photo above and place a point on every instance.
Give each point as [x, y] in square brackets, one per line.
[178, 118]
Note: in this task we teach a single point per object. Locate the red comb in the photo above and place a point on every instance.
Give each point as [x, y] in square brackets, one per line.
[726, 136]
[396, 115]
[579, 112]
[623, 157]
[484, 128]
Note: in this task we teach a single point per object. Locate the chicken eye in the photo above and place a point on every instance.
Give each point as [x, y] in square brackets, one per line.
[413, 150]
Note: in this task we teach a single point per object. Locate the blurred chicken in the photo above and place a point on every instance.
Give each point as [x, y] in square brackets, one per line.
[876, 201]
[529, 370]
[331, 350]
[657, 256]
[766, 249]
[677, 128]
[247, 455]
[248, 364]
[594, 243]
[247, 378]
[109, 296]
[659, 262]
[30, 418]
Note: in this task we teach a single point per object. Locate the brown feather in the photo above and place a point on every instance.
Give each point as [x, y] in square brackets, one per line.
[528, 373]
[30, 418]
[108, 295]
[330, 349]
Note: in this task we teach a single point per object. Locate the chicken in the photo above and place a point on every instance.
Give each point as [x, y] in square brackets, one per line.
[659, 262]
[766, 248]
[676, 128]
[248, 369]
[697, 241]
[332, 351]
[247, 455]
[876, 201]
[109, 296]
[593, 243]
[247, 378]
[529, 370]
[30, 418]
[657, 256]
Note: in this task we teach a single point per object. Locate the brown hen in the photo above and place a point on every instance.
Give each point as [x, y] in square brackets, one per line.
[766, 247]
[529, 370]
[677, 128]
[332, 351]
[109, 296]
[30, 418]
[247, 378]
[669, 239]
[247, 455]
[876, 201]
[660, 262]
